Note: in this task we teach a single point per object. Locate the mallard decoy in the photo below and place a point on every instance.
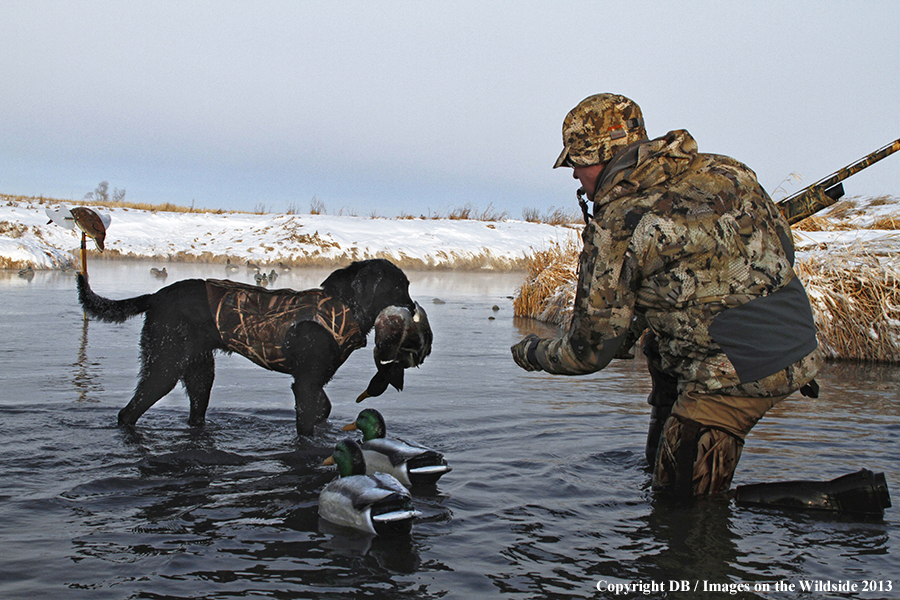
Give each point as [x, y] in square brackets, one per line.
[402, 340]
[273, 276]
[159, 273]
[410, 464]
[91, 224]
[27, 273]
[261, 279]
[377, 504]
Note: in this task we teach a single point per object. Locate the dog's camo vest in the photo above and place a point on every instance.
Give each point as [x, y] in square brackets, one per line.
[254, 322]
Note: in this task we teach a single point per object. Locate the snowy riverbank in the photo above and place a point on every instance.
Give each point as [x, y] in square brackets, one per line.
[26, 239]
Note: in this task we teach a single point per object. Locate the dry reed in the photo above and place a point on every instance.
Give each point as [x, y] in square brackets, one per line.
[819, 223]
[549, 288]
[888, 222]
[855, 298]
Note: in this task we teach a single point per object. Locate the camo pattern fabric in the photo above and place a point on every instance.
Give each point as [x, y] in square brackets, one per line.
[674, 241]
[597, 128]
[710, 466]
[254, 322]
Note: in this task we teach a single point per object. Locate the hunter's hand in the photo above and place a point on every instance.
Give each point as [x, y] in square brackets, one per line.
[523, 353]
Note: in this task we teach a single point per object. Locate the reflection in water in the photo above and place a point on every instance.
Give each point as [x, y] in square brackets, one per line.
[85, 378]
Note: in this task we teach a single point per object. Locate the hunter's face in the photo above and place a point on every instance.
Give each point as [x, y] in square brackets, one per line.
[588, 178]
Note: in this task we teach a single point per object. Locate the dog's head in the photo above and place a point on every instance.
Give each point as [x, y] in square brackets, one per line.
[368, 287]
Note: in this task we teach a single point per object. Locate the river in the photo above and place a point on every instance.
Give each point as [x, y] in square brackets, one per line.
[549, 496]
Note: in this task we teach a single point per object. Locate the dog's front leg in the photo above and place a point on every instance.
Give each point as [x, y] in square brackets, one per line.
[311, 404]
[313, 356]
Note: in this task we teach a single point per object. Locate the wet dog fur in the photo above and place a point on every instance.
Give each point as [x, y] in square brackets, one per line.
[179, 338]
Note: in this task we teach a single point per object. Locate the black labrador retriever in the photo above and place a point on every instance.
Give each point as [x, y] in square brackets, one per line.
[306, 334]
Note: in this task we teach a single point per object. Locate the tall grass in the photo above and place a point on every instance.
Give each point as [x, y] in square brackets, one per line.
[552, 216]
[548, 291]
[856, 304]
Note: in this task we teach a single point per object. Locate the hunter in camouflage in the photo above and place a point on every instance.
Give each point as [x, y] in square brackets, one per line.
[689, 248]
[253, 321]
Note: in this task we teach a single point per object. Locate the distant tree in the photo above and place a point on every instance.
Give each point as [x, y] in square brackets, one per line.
[101, 193]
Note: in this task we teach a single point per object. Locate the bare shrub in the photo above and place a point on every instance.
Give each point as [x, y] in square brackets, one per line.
[316, 206]
[489, 214]
[463, 213]
[531, 215]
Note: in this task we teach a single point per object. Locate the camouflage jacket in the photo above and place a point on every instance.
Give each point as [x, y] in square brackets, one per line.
[677, 241]
[254, 322]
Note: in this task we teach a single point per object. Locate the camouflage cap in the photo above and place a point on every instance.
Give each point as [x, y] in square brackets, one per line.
[597, 128]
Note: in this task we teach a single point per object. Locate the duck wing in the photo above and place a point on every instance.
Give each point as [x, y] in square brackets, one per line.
[397, 451]
[363, 491]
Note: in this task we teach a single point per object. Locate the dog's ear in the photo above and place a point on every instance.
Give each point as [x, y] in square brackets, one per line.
[355, 286]
[339, 283]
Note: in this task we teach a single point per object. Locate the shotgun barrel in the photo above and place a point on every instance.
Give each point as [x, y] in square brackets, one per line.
[827, 191]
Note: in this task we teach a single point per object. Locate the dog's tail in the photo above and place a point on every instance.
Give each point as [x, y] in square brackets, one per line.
[111, 311]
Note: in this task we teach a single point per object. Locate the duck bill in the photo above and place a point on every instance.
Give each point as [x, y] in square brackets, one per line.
[328, 461]
[351, 426]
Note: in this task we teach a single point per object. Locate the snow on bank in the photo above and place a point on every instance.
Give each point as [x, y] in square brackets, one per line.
[26, 239]
[856, 226]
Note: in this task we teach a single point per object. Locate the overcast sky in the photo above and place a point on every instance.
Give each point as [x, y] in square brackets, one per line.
[421, 107]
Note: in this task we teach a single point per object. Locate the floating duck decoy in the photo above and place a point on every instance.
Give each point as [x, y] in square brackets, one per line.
[27, 273]
[252, 267]
[411, 464]
[273, 276]
[402, 340]
[230, 268]
[159, 273]
[377, 504]
[284, 268]
[261, 279]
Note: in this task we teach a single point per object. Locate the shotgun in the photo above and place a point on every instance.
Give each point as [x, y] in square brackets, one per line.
[827, 191]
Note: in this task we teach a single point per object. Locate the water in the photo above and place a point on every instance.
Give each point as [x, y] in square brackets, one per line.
[549, 496]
